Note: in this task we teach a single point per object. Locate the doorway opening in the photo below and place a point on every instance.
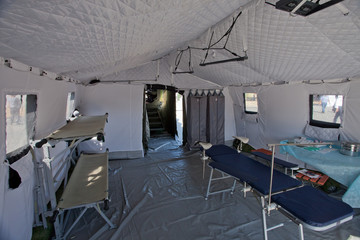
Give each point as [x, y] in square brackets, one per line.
[163, 118]
[179, 118]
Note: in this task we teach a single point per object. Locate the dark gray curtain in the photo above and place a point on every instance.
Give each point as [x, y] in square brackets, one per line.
[215, 118]
[196, 118]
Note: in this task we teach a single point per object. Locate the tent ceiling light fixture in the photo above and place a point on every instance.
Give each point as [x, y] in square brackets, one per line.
[303, 7]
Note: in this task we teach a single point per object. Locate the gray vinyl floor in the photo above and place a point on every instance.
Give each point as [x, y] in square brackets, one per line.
[161, 196]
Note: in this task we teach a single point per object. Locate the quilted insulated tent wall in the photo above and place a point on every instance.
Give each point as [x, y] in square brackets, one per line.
[105, 52]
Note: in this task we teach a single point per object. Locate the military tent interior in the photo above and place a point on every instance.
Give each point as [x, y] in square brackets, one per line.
[106, 58]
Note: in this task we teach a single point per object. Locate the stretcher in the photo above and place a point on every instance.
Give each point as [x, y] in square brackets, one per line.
[51, 175]
[304, 205]
[87, 188]
[210, 151]
[266, 155]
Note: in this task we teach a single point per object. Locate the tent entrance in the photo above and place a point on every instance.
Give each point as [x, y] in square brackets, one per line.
[163, 111]
[179, 118]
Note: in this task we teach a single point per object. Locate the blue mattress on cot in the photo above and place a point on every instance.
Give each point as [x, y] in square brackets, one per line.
[277, 160]
[219, 149]
[254, 173]
[313, 207]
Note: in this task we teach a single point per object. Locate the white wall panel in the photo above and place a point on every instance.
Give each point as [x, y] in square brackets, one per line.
[17, 205]
[230, 129]
[124, 103]
[283, 111]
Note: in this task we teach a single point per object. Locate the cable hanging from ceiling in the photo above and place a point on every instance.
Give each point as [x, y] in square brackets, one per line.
[178, 59]
[212, 46]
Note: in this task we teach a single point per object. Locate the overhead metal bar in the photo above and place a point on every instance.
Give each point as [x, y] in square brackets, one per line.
[211, 47]
[237, 59]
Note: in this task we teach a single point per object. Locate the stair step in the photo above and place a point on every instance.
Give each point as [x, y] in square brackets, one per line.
[152, 111]
[155, 124]
[157, 129]
[160, 135]
[154, 120]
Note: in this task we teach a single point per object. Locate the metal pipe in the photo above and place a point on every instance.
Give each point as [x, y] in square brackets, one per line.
[224, 61]
[272, 174]
[300, 144]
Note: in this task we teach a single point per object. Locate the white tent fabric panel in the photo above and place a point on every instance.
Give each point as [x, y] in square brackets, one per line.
[137, 41]
[17, 205]
[230, 127]
[283, 111]
[283, 48]
[85, 40]
[51, 101]
[351, 130]
[124, 104]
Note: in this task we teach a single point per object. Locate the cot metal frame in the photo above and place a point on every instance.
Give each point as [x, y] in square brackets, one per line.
[46, 184]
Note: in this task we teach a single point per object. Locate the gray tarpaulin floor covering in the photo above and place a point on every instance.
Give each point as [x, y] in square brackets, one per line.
[161, 196]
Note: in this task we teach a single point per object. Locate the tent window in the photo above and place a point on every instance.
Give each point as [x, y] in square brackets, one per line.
[70, 106]
[250, 103]
[20, 124]
[326, 110]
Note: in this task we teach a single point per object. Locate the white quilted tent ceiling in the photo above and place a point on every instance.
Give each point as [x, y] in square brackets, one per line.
[120, 39]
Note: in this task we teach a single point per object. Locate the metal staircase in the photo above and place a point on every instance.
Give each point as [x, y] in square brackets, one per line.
[156, 127]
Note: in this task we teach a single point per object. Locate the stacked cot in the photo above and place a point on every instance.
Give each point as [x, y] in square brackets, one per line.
[304, 205]
[88, 184]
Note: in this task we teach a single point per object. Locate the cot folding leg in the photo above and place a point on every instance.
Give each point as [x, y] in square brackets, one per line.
[97, 207]
[75, 222]
[301, 231]
[211, 179]
[266, 212]
[294, 220]
[104, 216]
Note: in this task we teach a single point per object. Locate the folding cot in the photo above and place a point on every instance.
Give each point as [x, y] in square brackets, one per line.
[267, 155]
[87, 187]
[209, 151]
[49, 177]
[304, 205]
